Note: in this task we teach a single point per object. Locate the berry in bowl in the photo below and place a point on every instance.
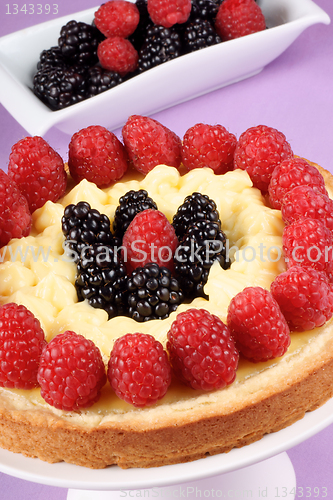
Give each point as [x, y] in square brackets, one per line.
[71, 89]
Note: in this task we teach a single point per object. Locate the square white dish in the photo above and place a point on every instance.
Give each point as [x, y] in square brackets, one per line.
[168, 84]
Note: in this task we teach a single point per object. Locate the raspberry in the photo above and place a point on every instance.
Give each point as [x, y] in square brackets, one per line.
[117, 18]
[97, 155]
[38, 171]
[71, 372]
[169, 12]
[202, 352]
[15, 217]
[117, 54]
[291, 173]
[308, 243]
[259, 150]
[236, 18]
[149, 143]
[303, 202]
[208, 146]
[305, 297]
[138, 370]
[21, 343]
[149, 238]
[258, 325]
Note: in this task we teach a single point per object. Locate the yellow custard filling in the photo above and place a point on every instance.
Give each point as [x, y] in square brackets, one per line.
[36, 272]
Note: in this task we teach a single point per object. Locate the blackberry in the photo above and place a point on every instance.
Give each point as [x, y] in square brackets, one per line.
[139, 35]
[51, 58]
[196, 207]
[203, 244]
[78, 42]
[199, 34]
[101, 280]
[152, 293]
[59, 87]
[129, 206]
[160, 45]
[99, 80]
[204, 9]
[83, 226]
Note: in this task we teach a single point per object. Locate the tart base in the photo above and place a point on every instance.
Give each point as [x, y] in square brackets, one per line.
[189, 435]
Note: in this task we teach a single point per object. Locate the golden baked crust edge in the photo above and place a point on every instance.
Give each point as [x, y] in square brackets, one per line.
[190, 435]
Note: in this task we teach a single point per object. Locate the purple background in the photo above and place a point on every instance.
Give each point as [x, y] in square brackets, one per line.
[293, 94]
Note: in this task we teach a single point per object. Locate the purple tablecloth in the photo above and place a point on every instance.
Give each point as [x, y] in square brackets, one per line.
[293, 94]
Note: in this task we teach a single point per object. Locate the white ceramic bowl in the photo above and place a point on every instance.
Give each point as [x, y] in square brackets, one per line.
[168, 84]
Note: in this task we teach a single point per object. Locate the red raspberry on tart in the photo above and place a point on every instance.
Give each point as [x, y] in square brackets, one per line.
[202, 352]
[237, 18]
[97, 155]
[117, 18]
[149, 143]
[15, 217]
[22, 341]
[149, 238]
[291, 173]
[71, 373]
[117, 54]
[259, 150]
[38, 171]
[305, 297]
[257, 324]
[139, 371]
[169, 12]
[308, 243]
[208, 146]
[303, 202]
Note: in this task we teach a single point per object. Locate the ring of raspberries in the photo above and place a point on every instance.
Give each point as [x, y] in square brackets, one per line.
[201, 351]
[124, 39]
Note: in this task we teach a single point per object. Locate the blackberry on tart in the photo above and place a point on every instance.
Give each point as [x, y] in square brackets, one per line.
[83, 226]
[203, 244]
[101, 279]
[152, 293]
[130, 204]
[196, 207]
